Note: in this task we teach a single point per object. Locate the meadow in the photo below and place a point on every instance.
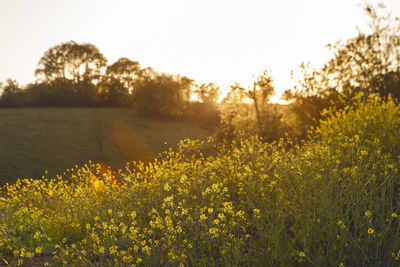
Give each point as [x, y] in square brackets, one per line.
[330, 201]
[33, 140]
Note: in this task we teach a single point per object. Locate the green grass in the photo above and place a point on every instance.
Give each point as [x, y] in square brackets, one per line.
[33, 140]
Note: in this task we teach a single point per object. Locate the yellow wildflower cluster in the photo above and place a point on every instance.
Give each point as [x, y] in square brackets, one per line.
[332, 200]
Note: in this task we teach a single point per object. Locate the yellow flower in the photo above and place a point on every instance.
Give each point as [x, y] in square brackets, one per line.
[30, 255]
[370, 231]
[167, 187]
[214, 232]
[146, 249]
[302, 254]
[394, 215]
[341, 264]
[113, 249]
[37, 235]
[368, 213]
[39, 250]
[341, 224]
[184, 211]
[133, 214]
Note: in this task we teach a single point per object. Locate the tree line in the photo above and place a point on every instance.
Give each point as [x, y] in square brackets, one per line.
[77, 75]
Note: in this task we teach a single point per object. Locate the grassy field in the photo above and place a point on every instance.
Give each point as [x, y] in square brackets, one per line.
[33, 140]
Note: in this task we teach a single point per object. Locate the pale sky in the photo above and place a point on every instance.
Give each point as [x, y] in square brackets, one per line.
[207, 40]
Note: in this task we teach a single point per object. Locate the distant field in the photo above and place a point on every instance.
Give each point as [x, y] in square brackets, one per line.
[33, 140]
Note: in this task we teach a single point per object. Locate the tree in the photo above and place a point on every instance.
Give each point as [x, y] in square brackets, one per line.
[114, 94]
[237, 114]
[312, 94]
[11, 94]
[367, 63]
[126, 72]
[207, 93]
[305, 111]
[118, 85]
[260, 94]
[249, 109]
[71, 61]
[205, 111]
[163, 96]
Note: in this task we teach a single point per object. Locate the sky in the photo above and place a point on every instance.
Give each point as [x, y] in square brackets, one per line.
[220, 41]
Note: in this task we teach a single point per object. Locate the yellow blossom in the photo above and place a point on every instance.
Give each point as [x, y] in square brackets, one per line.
[167, 187]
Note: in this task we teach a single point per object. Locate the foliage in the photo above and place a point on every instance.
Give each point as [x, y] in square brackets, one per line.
[11, 94]
[77, 75]
[307, 109]
[71, 61]
[366, 64]
[162, 96]
[249, 112]
[125, 71]
[113, 93]
[205, 109]
[118, 84]
[377, 122]
[332, 202]
[207, 93]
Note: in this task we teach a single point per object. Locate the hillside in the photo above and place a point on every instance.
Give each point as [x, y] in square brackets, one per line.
[33, 140]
